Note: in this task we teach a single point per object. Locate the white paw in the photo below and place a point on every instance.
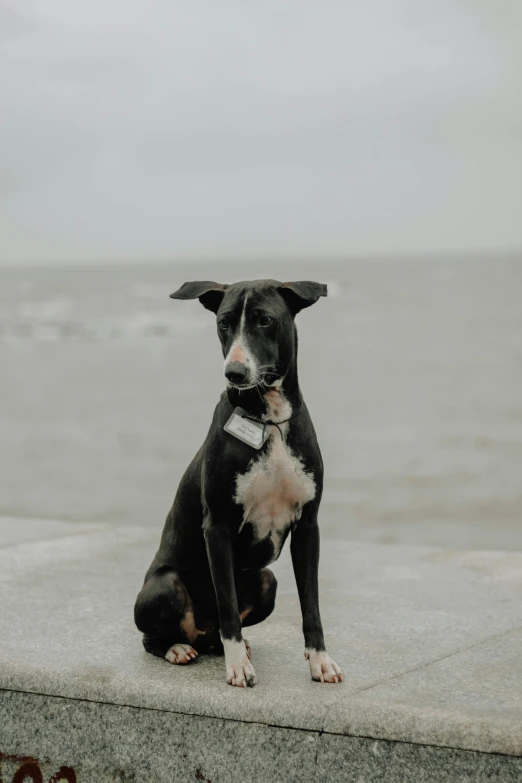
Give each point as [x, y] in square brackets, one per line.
[242, 675]
[181, 653]
[322, 667]
[240, 671]
[248, 648]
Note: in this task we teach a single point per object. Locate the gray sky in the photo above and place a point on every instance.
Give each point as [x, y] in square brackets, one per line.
[223, 129]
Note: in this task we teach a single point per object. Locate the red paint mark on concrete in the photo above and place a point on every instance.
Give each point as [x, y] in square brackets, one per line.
[65, 775]
[29, 771]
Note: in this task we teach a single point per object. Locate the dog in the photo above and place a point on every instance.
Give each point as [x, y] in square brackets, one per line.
[257, 478]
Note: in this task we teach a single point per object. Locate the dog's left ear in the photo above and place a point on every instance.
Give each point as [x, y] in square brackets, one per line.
[209, 294]
[302, 294]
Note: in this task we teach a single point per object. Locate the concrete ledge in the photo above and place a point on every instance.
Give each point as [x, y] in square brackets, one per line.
[429, 640]
[103, 743]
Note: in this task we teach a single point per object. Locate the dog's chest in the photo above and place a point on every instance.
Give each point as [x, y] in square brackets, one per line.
[273, 492]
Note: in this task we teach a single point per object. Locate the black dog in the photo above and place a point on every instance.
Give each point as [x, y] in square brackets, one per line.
[257, 476]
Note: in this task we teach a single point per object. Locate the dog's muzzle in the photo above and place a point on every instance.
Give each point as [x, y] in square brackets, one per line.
[237, 374]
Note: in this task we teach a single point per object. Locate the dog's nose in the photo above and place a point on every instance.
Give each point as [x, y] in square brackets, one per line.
[236, 372]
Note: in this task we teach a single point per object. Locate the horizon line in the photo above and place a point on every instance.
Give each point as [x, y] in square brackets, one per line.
[294, 258]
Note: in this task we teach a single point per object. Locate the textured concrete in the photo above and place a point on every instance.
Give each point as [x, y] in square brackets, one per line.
[105, 743]
[428, 640]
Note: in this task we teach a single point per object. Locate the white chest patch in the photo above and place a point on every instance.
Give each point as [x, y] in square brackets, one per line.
[274, 490]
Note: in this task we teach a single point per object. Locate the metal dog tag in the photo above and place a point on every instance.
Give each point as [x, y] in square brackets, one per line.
[248, 431]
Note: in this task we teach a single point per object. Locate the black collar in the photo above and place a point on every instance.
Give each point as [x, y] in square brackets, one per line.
[275, 423]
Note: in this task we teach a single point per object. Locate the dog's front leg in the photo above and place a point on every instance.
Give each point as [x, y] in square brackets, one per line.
[240, 671]
[304, 547]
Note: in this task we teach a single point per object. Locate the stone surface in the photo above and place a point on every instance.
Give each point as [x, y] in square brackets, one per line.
[103, 743]
[471, 699]
[428, 640]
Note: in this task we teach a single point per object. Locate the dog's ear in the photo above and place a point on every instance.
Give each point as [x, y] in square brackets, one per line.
[301, 294]
[209, 294]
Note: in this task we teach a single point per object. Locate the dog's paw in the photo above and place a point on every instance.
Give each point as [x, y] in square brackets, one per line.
[241, 675]
[240, 671]
[180, 653]
[322, 667]
[248, 649]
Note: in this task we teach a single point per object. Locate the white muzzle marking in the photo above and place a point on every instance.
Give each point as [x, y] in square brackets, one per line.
[240, 352]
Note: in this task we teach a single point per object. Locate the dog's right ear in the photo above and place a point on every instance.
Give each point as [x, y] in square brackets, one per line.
[209, 294]
[301, 294]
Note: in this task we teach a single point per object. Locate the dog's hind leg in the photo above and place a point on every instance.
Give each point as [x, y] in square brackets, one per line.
[256, 593]
[164, 613]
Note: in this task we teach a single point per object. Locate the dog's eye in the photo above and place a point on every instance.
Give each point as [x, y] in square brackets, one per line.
[224, 324]
[265, 320]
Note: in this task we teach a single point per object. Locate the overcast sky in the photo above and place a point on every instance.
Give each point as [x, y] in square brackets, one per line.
[221, 128]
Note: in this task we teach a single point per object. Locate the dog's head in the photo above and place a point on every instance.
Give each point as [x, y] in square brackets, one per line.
[255, 322]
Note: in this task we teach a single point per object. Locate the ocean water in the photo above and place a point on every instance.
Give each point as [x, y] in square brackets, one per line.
[412, 371]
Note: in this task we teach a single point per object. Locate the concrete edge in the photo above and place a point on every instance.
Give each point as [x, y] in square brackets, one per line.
[375, 721]
[101, 743]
